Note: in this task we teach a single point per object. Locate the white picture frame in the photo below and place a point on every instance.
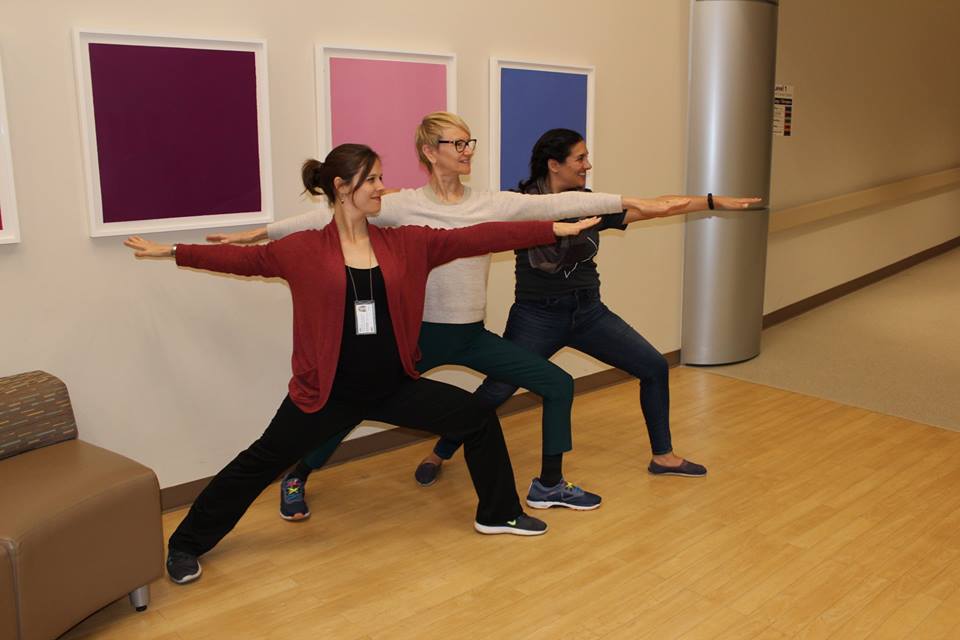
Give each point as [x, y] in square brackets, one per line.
[324, 53]
[10, 233]
[497, 65]
[98, 227]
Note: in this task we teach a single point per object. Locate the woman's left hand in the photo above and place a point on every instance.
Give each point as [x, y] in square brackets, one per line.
[561, 229]
[144, 248]
[729, 202]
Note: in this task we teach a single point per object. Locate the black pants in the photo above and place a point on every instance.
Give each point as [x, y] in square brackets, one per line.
[421, 404]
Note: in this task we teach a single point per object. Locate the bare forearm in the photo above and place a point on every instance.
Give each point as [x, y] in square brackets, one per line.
[689, 204]
[239, 237]
[258, 235]
[697, 203]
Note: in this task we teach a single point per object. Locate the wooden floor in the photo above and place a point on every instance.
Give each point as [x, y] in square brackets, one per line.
[817, 521]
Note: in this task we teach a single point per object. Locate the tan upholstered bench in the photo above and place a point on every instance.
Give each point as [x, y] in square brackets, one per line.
[79, 525]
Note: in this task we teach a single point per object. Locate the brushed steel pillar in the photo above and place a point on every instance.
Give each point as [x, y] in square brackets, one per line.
[733, 45]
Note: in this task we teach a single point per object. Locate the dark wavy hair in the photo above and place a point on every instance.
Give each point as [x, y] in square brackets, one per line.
[344, 161]
[555, 144]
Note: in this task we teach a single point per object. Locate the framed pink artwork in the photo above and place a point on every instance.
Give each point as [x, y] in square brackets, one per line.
[378, 98]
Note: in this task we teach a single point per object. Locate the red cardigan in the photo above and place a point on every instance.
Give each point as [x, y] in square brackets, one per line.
[313, 265]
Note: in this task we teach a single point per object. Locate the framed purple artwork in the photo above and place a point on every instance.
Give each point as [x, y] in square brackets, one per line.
[9, 223]
[378, 98]
[528, 99]
[175, 131]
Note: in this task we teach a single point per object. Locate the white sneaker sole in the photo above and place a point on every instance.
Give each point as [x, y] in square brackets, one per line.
[186, 579]
[295, 518]
[490, 530]
[537, 504]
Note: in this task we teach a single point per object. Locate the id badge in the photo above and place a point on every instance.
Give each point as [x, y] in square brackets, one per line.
[365, 313]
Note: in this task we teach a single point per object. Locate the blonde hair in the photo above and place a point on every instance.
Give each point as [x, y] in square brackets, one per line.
[429, 132]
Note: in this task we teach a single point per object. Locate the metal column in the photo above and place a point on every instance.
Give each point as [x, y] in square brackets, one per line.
[733, 45]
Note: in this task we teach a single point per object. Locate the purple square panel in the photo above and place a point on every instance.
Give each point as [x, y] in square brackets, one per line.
[380, 103]
[177, 132]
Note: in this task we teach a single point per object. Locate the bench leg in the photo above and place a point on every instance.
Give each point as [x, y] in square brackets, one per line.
[140, 598]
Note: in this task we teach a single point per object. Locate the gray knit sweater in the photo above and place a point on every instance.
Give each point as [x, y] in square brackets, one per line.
[457, 291]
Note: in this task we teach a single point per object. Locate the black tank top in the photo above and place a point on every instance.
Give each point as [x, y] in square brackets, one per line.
[368, 364]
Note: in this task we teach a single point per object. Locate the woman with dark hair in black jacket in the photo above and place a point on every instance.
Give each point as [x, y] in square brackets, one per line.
[558, 305]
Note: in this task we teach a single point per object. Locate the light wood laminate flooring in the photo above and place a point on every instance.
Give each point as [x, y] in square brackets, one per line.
[817, 520]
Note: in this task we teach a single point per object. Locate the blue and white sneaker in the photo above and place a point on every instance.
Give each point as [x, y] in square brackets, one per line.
[293, 505]
[564, 494]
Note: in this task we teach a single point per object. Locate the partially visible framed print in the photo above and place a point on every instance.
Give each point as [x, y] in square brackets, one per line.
[528, 99]
[9, 223]
[175, 131]
[378, 98]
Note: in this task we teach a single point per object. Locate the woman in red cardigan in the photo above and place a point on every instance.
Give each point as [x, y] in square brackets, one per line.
[357, 295]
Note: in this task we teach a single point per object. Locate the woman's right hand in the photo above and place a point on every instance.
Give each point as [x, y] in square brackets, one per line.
[144, 248]
[239, 237]
[561, 229]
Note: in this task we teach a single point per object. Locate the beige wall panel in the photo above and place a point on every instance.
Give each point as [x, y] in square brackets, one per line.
[876, 101]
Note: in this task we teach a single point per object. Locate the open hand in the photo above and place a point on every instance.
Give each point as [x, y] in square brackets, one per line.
[144, 248]
[728, 202]
[561, 229]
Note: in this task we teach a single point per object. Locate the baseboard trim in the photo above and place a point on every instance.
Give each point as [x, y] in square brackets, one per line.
[183, 494]
[822, 298]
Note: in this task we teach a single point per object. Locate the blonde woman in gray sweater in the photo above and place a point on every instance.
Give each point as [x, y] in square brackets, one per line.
[453, 329]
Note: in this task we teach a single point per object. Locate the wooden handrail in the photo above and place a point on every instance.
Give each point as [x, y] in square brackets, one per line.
[890, 193]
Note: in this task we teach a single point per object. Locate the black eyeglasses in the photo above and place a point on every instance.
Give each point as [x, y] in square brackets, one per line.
[460, 145]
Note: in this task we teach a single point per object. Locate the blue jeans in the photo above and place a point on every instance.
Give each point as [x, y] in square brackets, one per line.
[581, 321]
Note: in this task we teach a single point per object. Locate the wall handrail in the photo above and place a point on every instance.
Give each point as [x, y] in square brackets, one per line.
[889, 193]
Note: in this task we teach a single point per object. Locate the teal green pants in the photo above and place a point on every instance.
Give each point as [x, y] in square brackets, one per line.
[472, 346]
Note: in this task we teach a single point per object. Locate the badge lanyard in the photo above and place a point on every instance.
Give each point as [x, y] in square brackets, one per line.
[364, 311]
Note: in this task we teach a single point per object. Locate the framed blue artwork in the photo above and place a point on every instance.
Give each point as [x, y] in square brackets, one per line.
[527, 99]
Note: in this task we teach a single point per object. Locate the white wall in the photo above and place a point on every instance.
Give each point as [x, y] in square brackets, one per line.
[180, 369]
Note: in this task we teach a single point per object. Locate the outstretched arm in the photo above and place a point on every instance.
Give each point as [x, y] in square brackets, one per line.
[276, 230]
[574, 204]
[239, 237]
[691, 203]
[445, 245]
[241, 261]
[281, 228]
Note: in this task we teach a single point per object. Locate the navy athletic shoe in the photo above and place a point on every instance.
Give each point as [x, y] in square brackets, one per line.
[426, 473]
[182, 567]
[686, 468]
[293, 505]
[563, 494]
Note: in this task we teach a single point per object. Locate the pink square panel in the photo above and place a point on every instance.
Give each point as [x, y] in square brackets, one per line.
[380, 103]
